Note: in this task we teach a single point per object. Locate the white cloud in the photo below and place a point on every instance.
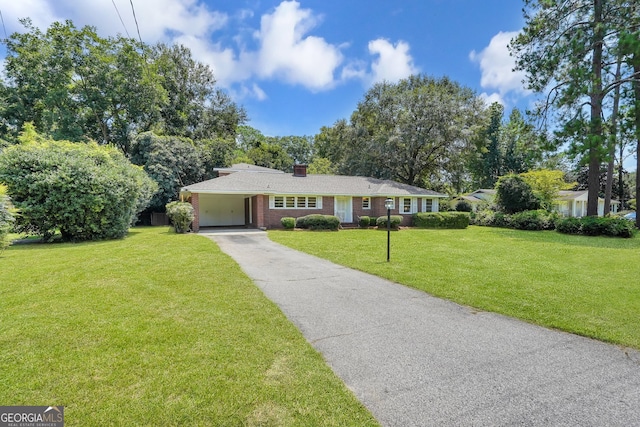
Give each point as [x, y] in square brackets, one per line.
[39, 11]
[393, 62]
[491, 98]
[285, 52]
[496, 65]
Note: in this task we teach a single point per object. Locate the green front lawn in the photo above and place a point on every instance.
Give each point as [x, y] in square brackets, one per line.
[156, 329]
[586, 285]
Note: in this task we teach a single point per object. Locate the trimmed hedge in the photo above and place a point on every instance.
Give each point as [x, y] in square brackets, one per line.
[457, 220]
[373, 221]
[596, 226]
[381, 222]
[318, 222]
[364, 221]
[288, 222]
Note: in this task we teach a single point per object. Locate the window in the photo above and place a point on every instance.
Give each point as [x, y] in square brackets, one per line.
[295, 202]
[428, 205]
[408, 205]
[291, 202]
[366, 203]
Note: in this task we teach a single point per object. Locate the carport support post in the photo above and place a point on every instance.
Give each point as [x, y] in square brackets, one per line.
[388, 203]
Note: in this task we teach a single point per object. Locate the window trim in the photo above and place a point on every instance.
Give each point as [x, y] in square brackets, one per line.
[413, 205]
[435, 206]
[283, 202]
[368, 206]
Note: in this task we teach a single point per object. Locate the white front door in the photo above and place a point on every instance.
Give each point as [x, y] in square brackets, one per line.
[343, 209]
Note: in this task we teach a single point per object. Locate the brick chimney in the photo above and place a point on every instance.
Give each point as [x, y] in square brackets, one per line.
[300, 170]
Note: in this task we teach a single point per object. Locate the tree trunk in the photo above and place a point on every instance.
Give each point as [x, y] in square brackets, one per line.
[614, 136]
[595, 137]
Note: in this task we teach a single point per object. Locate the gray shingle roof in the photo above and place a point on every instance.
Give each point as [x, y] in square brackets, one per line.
[324, 185]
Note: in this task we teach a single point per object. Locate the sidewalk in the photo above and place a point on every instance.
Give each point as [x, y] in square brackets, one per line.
[415, 360]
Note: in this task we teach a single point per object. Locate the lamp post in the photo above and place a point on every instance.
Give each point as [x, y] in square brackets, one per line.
[388, 203]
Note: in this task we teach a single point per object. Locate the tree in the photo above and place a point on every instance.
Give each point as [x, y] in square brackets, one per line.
[171, 162]
[404, 131]
[566, 51]
[487, 166]
[513, 195]
[85, 191]
[546, 184]
[75, 85]
[195, 107]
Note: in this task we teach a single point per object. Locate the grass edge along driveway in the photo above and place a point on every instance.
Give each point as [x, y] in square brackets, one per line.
[584, 285]
[157, 329]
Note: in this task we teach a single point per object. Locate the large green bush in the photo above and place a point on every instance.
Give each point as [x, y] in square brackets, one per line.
[396, 220]
[181, 215]
[596, 226]
[441, 220]
[514, 195]
[318, 222]
[6, 217]
[84, 191]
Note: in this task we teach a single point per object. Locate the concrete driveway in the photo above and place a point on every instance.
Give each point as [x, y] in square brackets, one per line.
[415, 360]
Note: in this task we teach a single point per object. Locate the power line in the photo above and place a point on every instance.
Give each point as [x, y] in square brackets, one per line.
[3, 27]
[118, 12]
[136, 20]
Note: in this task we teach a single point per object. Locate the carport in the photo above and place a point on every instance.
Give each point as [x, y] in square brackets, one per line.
[224, 210]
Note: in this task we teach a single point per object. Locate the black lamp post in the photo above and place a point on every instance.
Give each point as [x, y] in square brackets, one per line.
[388, 203]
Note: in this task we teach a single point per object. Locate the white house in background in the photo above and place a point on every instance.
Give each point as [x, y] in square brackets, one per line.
[574, 203]
[568, 203]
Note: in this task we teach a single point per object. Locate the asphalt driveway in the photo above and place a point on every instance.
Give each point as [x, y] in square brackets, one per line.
[415, 360]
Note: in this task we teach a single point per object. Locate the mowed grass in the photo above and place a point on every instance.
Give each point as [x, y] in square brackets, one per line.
[156, 329]
[585, 285]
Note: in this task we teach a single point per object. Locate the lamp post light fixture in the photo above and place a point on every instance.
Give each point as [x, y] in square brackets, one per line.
[388, 203]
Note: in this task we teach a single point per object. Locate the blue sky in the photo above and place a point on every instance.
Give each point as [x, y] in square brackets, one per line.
[299, 65]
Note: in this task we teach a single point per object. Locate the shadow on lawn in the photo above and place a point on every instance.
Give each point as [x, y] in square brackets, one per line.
[553, 237]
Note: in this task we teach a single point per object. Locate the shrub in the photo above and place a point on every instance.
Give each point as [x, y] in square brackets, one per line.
[181, 215]
[6, 217]
[441, 220]
[373, 221]
[463, 206]
[396, 220]
[533, 220]
[569, 225]
[489, 218]
[364, 221]
[596, 226]
[288, 222]
[86, 191]
[514, 195]
[318, 222]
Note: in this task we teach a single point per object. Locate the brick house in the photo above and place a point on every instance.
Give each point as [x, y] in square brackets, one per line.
[253, 196]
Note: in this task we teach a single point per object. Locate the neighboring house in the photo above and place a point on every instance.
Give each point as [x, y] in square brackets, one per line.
[574, 203]
[568, 203]
[478, 197]
[246, 195]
